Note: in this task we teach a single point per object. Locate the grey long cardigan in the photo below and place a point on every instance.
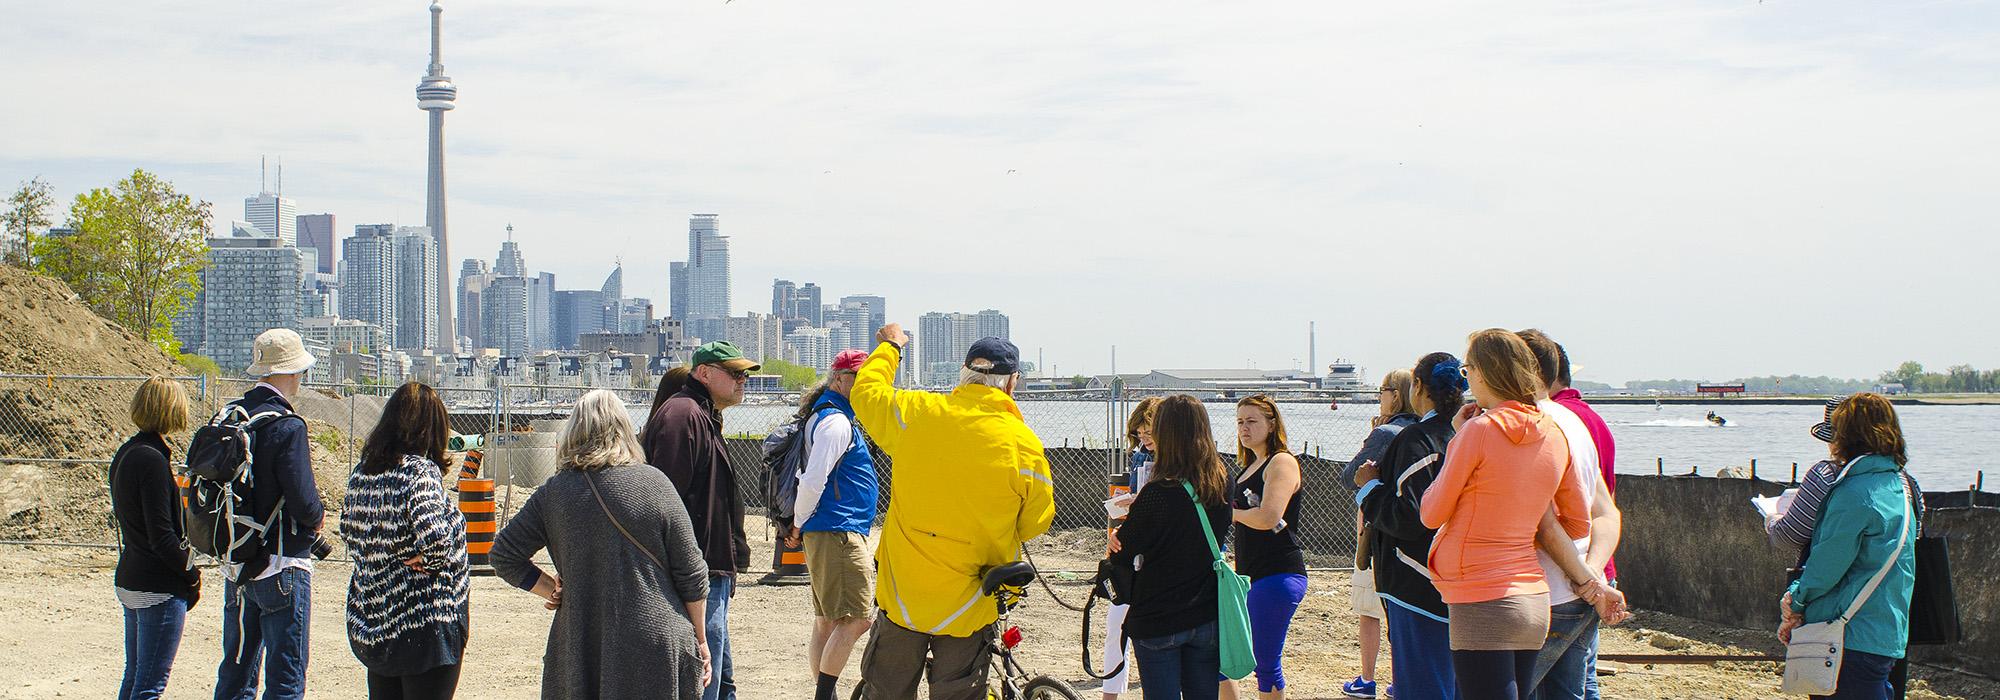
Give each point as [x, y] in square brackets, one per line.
[622, 630]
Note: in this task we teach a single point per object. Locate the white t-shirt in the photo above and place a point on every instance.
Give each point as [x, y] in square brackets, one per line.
[831, 438]
[1583, 460]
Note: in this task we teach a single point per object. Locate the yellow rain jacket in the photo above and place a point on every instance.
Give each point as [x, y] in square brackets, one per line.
[970, 484]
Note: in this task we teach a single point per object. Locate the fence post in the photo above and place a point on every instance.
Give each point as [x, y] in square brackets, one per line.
[1795, 472]
[1659, 466]
[1753, 468]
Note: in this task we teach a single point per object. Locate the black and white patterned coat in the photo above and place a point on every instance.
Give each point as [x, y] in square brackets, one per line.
[402, 621]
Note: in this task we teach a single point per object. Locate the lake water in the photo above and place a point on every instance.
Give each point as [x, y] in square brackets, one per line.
[1947, 444]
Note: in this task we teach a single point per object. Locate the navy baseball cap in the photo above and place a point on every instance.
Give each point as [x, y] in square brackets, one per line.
[1005, 357]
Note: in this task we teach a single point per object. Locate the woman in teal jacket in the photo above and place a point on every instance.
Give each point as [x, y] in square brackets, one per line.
[1862, 528]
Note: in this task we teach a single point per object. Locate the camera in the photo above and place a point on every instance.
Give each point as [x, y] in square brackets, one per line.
[321, 548]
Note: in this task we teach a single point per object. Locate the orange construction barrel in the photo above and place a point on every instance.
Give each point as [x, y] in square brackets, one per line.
[475, 502]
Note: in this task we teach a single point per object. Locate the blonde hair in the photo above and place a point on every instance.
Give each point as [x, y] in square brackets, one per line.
[599, 434]
[1404, 382]
[968, 376]
[1505, 364]
[160, 406]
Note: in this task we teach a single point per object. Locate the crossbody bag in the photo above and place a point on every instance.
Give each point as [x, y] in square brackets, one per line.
[1812, 659]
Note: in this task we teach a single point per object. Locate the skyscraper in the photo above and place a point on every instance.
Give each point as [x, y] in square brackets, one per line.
[316, 232]
[416, 295]
[947, 337]
[435, 95]
[809, 305]
[237, 296]
[878, 314]
[541, 311]
[472, 280]
[677, 291]
[784, 299]
[272, 213]
[368, 276]
[707, 271]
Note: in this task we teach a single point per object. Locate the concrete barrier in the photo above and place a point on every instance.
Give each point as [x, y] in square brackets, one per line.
[1694, 547]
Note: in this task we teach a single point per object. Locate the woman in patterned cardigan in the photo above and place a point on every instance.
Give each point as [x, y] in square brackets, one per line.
[406, 605]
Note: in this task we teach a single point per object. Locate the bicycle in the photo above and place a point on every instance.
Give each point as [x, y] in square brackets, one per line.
[1008, 584]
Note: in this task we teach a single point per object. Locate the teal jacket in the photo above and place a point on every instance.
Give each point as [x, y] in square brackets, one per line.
[1862, 522]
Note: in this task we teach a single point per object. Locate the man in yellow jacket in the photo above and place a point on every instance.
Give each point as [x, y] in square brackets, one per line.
[970, 484]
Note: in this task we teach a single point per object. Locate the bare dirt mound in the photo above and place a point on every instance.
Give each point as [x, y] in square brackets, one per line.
[45, 330]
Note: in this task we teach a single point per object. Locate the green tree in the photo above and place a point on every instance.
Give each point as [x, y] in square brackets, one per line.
[200, 365]
[792, 377]
[137, 254]
[28, 211]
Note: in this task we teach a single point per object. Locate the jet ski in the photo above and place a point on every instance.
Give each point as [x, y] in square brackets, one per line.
[1719, 421]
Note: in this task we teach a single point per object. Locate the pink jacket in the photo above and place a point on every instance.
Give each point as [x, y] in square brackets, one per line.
[1500, 474]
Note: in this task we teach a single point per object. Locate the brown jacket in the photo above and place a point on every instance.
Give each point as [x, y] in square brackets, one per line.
[684, 440]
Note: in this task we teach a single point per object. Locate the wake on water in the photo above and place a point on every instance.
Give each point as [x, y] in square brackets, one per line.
[1675, 423]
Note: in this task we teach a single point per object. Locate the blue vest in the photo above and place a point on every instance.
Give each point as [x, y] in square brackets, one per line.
[848, 503]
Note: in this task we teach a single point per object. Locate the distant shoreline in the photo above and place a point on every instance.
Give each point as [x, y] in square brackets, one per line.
[1900, 400]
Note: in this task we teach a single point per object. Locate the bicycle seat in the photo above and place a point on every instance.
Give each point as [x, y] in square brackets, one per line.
[1015, 574]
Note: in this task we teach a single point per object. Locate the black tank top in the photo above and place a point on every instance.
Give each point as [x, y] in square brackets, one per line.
[1261, 553]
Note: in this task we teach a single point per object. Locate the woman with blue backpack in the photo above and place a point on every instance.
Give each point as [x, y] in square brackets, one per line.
[1169, 538]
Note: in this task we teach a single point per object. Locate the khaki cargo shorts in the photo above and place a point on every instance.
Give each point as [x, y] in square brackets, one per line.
[841, 568]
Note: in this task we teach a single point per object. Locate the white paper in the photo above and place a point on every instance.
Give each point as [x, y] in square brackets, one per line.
[1118, 506]
[1774, 507]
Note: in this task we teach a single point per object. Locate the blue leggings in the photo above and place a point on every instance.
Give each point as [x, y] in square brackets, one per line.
[1272, 601]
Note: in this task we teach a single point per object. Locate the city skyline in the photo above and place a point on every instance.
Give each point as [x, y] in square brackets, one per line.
[1160, 173]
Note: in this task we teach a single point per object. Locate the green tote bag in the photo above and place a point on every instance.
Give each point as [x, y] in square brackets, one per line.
[1232, 592]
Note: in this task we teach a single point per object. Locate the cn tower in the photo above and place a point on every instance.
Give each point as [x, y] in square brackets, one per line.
[436, 95]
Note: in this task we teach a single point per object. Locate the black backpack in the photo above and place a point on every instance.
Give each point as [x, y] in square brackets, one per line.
[218, 517]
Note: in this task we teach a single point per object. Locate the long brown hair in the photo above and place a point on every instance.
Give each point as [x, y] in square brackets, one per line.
[414, 422]
[1505, 364]
[1184, 448]
[670, 384]
[1142, 416]
[1866, 424]
[1276, 442]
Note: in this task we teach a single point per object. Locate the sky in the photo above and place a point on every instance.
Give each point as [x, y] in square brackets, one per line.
[1690, 189]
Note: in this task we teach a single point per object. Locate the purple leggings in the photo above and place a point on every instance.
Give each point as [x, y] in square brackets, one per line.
[1272, 601]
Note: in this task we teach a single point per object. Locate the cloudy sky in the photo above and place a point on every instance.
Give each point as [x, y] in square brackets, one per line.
[1689, 189]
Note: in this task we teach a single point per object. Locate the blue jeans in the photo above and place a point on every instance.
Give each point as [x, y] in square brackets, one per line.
[1567, 665]
[1183, 664]
[1271, 602]
[722, 676]
[269, 618]
[1863, 676]
[1421, 658]
[152, 637]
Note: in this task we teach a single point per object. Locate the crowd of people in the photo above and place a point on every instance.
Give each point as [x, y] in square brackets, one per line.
[1486, 529]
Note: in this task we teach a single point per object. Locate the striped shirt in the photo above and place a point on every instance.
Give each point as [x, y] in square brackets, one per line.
[1794, 529]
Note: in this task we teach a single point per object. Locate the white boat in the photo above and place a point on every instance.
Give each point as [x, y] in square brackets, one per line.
[1343, 375]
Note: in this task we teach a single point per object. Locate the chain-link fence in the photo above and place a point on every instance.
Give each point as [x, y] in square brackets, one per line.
[58, 433]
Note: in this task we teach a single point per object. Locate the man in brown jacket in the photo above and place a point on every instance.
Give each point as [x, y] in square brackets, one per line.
[684, 439]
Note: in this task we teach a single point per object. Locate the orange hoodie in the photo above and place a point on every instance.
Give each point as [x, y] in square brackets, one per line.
[1499, 474]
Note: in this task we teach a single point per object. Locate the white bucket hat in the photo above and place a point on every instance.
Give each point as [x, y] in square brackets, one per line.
[279, 351]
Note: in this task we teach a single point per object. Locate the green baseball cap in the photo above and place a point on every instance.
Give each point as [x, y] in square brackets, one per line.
[724, 353]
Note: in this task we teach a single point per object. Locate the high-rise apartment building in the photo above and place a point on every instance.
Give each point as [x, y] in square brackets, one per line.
[368, 276]
[878, 314]
[416, 289]
[809, 347]
[761, 337]
[541, 311]
[316, 232]
[237, 296]
[506, 315]
[677, 291]
[946, 337]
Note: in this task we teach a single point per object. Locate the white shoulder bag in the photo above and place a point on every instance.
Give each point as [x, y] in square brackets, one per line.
[1812, 659]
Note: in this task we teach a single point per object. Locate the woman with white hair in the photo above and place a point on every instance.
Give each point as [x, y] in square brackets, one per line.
[629, 581]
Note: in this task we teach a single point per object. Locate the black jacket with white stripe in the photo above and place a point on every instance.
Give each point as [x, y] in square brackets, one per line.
[1390, 505]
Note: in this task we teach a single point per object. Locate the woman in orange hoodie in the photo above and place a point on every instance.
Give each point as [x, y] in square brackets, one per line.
[1505, 465]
